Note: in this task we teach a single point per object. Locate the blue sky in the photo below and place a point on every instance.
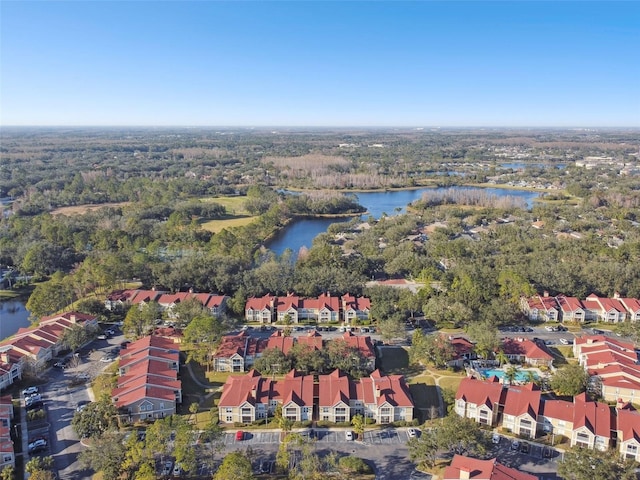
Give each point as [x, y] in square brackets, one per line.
[320, 63]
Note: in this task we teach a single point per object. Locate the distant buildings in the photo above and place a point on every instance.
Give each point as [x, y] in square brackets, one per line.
[323, 309]
[216, 304]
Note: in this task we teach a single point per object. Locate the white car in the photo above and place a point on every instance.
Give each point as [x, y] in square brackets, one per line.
[549, 328]
[102, 336]
[495, 438]
[564, 341]
[30, 391]
[177, 470]
[412, 433]
[38, 444]
[349, 436]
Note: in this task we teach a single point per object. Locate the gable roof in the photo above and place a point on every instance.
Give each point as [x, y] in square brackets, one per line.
[526, 347]
[522, 399]
[595, 416]
[480, 392]
[475, 469]
[334, 388]
[280, 342]
[361, 342]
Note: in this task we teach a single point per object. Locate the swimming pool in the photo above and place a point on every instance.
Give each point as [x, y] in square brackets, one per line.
[521, 375]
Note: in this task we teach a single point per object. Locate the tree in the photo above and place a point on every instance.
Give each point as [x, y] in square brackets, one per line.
[96, 419]
[76, 336]
[485, 336]
[436, 350]
[392, 328]
[39, 464]
[346, 358]
[511, 373]
[106, 455]
[272, 361]
[191, 308]
[193, 409]
[423, 450]
[358, 423]
[570, 380]
[140, 320]
[8, 473]
[200, 337]
[460, 435]
[235, 466]
[50, 296]
[307, 359]
[589, 464]
[212, 442]
[501, 357]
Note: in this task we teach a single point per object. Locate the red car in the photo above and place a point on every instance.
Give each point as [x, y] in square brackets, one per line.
[239, 435]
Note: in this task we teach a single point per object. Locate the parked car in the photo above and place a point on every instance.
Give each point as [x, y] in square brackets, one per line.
[33, 398]
[167, 468]
[412, 433]
[177, 470]
[524, 448]
[82, 405]
[515, 445]
[239, 435]
[110, 332]
[60, 365]
[37, 445]
[107, 359]
[564, 341]
[30, 391]
[349, 436]
[495, 438]
[549, 328]
[102, 336]
[35, 405]
[265, 467]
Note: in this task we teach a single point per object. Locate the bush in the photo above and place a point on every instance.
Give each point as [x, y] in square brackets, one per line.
[304, 424]
[354, 465]
[369, 421]
[35, 415]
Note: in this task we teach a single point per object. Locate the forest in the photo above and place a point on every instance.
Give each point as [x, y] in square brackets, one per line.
[475, 254]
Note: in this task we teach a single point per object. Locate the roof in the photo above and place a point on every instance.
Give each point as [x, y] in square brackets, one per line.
[483, 470]
[334, 388]
[631, 304]
[250, 387]
[312, 339]
[604, 304]
[361, 342]
[569, 304]
[150, 341]
[278, 341]
[523, 399]
[595, 416]
[261, 303]
[559, 409]
[296, 388]
[628, 424]
[142, 392]
[349, 302]
[480, 392]
[526, 347]
[391, 389]
[232, 345]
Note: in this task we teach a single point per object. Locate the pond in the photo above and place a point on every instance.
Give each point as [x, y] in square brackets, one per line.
[302, 232]
[13, 315]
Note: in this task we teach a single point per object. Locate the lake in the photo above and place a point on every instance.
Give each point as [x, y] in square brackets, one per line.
[302, 232]
[13, 315]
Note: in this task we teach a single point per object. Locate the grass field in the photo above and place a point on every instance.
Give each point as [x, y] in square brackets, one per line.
[80, 209]
[216, 226]
[234, 205]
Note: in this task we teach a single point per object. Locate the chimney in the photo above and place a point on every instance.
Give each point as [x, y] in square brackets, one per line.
[4, 357]
[616, 294]
[72, 318]
[377, 391]
[545, 293]
[253, 392]
[465, 473]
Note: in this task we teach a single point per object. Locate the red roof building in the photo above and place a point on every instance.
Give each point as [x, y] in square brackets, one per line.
[467, 468]
[526, 351]
[148, 385]
[521, 405]
[280, 342]
[628, 432]
[609, 310]
[479, 400]
[571, 309]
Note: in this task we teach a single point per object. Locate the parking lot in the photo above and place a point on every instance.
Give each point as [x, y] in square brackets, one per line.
[377, 437]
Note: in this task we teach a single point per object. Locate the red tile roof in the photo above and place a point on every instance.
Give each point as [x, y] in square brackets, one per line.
[480, 392]
[522, 399]
[569, 304]
[362, 343]
[312, 339]
[143, 392]
[232, 345]
[296, 388]
[631, 304]
[349, 302]
[392, 389]
[526, 347]
[595, 416]
[334, 388]
[262, 303]
[482, 470]
[560, 409]
[250, 387]
[628, 424]
[279, 341]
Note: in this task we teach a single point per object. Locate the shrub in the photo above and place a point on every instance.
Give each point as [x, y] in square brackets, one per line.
[369, 421]
[354, 465]
[35, 415]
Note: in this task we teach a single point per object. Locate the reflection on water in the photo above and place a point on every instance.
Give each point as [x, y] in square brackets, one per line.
[13, 315]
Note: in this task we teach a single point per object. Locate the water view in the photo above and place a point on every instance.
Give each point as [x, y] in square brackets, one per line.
[302, 232]
[13, 315]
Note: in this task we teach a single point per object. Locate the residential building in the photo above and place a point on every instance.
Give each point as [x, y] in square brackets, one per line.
[628, 432]
[609, 310]
[280, 341]
[363, 344]
[118, 299]
[148, 385]
[238, 352]
[571, 309]
[467, 468]
[523, 350]
[334, 397]
[633, 307]
[286, 309]
[541, 308]
[355, 308]
[260, 309]
[7, 453]
[479, 400]
[520, 413]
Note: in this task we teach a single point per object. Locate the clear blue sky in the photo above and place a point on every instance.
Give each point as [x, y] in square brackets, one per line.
[320, 63]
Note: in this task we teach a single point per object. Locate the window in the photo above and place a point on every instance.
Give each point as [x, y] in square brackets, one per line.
[325, 409]
[229, 419]
[229, 410]
[7, 458]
